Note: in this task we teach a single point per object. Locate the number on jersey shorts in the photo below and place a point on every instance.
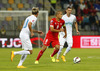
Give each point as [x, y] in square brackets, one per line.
[48, 40]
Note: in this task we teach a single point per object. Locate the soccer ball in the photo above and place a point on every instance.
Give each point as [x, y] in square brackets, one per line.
[76, 60]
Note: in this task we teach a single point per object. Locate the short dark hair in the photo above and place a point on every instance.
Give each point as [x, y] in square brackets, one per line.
[68, 7]
[58, 12]
[35, 10]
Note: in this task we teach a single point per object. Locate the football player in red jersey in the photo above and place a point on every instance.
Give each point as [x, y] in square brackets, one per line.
[52, 36]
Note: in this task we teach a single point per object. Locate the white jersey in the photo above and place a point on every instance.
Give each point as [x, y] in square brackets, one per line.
[25, 32]
[68, 23]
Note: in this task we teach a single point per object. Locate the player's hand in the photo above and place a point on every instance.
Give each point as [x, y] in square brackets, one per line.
[78, 33]
[65, 36]
[41, 33]
[61, 30]
[32, 34]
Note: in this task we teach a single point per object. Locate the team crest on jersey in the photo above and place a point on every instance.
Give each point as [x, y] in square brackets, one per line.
[32, 20]
[51, 21]
[60, 23]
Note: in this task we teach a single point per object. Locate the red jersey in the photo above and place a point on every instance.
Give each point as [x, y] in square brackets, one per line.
[57, 25]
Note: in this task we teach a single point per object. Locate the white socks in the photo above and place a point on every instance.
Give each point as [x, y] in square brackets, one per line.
[67, 50]
[22, 52]
[59, 52]
[23, 57]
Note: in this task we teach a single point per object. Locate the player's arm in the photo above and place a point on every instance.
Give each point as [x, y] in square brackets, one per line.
[76, 26]
[30, 28]
[54, 30]
[35, 31]
[65, 31]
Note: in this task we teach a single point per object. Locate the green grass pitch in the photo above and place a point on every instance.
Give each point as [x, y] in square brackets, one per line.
[90, 60]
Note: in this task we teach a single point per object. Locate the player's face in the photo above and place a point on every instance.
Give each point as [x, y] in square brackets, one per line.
[69, 11]
[37, 14]
[60, 15]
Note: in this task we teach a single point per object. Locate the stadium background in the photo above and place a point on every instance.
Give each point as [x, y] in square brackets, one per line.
[12, 23]
[87, 13]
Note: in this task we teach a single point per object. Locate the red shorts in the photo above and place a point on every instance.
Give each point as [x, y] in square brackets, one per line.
[48, 40]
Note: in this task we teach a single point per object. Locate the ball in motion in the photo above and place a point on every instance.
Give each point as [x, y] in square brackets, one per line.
[76, 60]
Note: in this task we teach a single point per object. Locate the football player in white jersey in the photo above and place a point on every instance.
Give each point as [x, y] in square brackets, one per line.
[25, 34]
[69, 19]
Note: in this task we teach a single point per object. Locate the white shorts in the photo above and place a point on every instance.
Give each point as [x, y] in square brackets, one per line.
[68, 39]
[26, 44]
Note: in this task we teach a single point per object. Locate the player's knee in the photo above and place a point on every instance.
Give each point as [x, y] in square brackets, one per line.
[44, 48]
[31, 52]
[57, 47]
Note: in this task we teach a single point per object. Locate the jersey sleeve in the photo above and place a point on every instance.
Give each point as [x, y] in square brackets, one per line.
[74, 18]
[33, 21]
[63, 23]
[52, 23]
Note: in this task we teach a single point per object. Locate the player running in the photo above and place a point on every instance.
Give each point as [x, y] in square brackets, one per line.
[52, 36]
[69, 21]
[25, 37]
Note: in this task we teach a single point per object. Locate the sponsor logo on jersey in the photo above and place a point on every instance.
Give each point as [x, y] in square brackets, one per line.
[70, 23]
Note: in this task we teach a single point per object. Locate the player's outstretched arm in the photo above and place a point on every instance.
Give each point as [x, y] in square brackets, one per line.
[76, 26]
[39, 32]
[32, 30]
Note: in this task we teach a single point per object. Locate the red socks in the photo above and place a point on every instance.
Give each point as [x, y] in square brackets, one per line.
[39, 55]
[54, 52]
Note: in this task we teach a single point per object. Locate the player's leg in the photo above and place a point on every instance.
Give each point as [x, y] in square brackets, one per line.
[70, 43]
[55, 43]
[54, 52]
[59, 52]
[26, 45]
[46, 43]
[21, 52]
[23, 57]
[66, 51]
[68, 48]
[61, 41]
[41, 52]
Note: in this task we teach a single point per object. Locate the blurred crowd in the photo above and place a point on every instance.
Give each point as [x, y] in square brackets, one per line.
[87, 12]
